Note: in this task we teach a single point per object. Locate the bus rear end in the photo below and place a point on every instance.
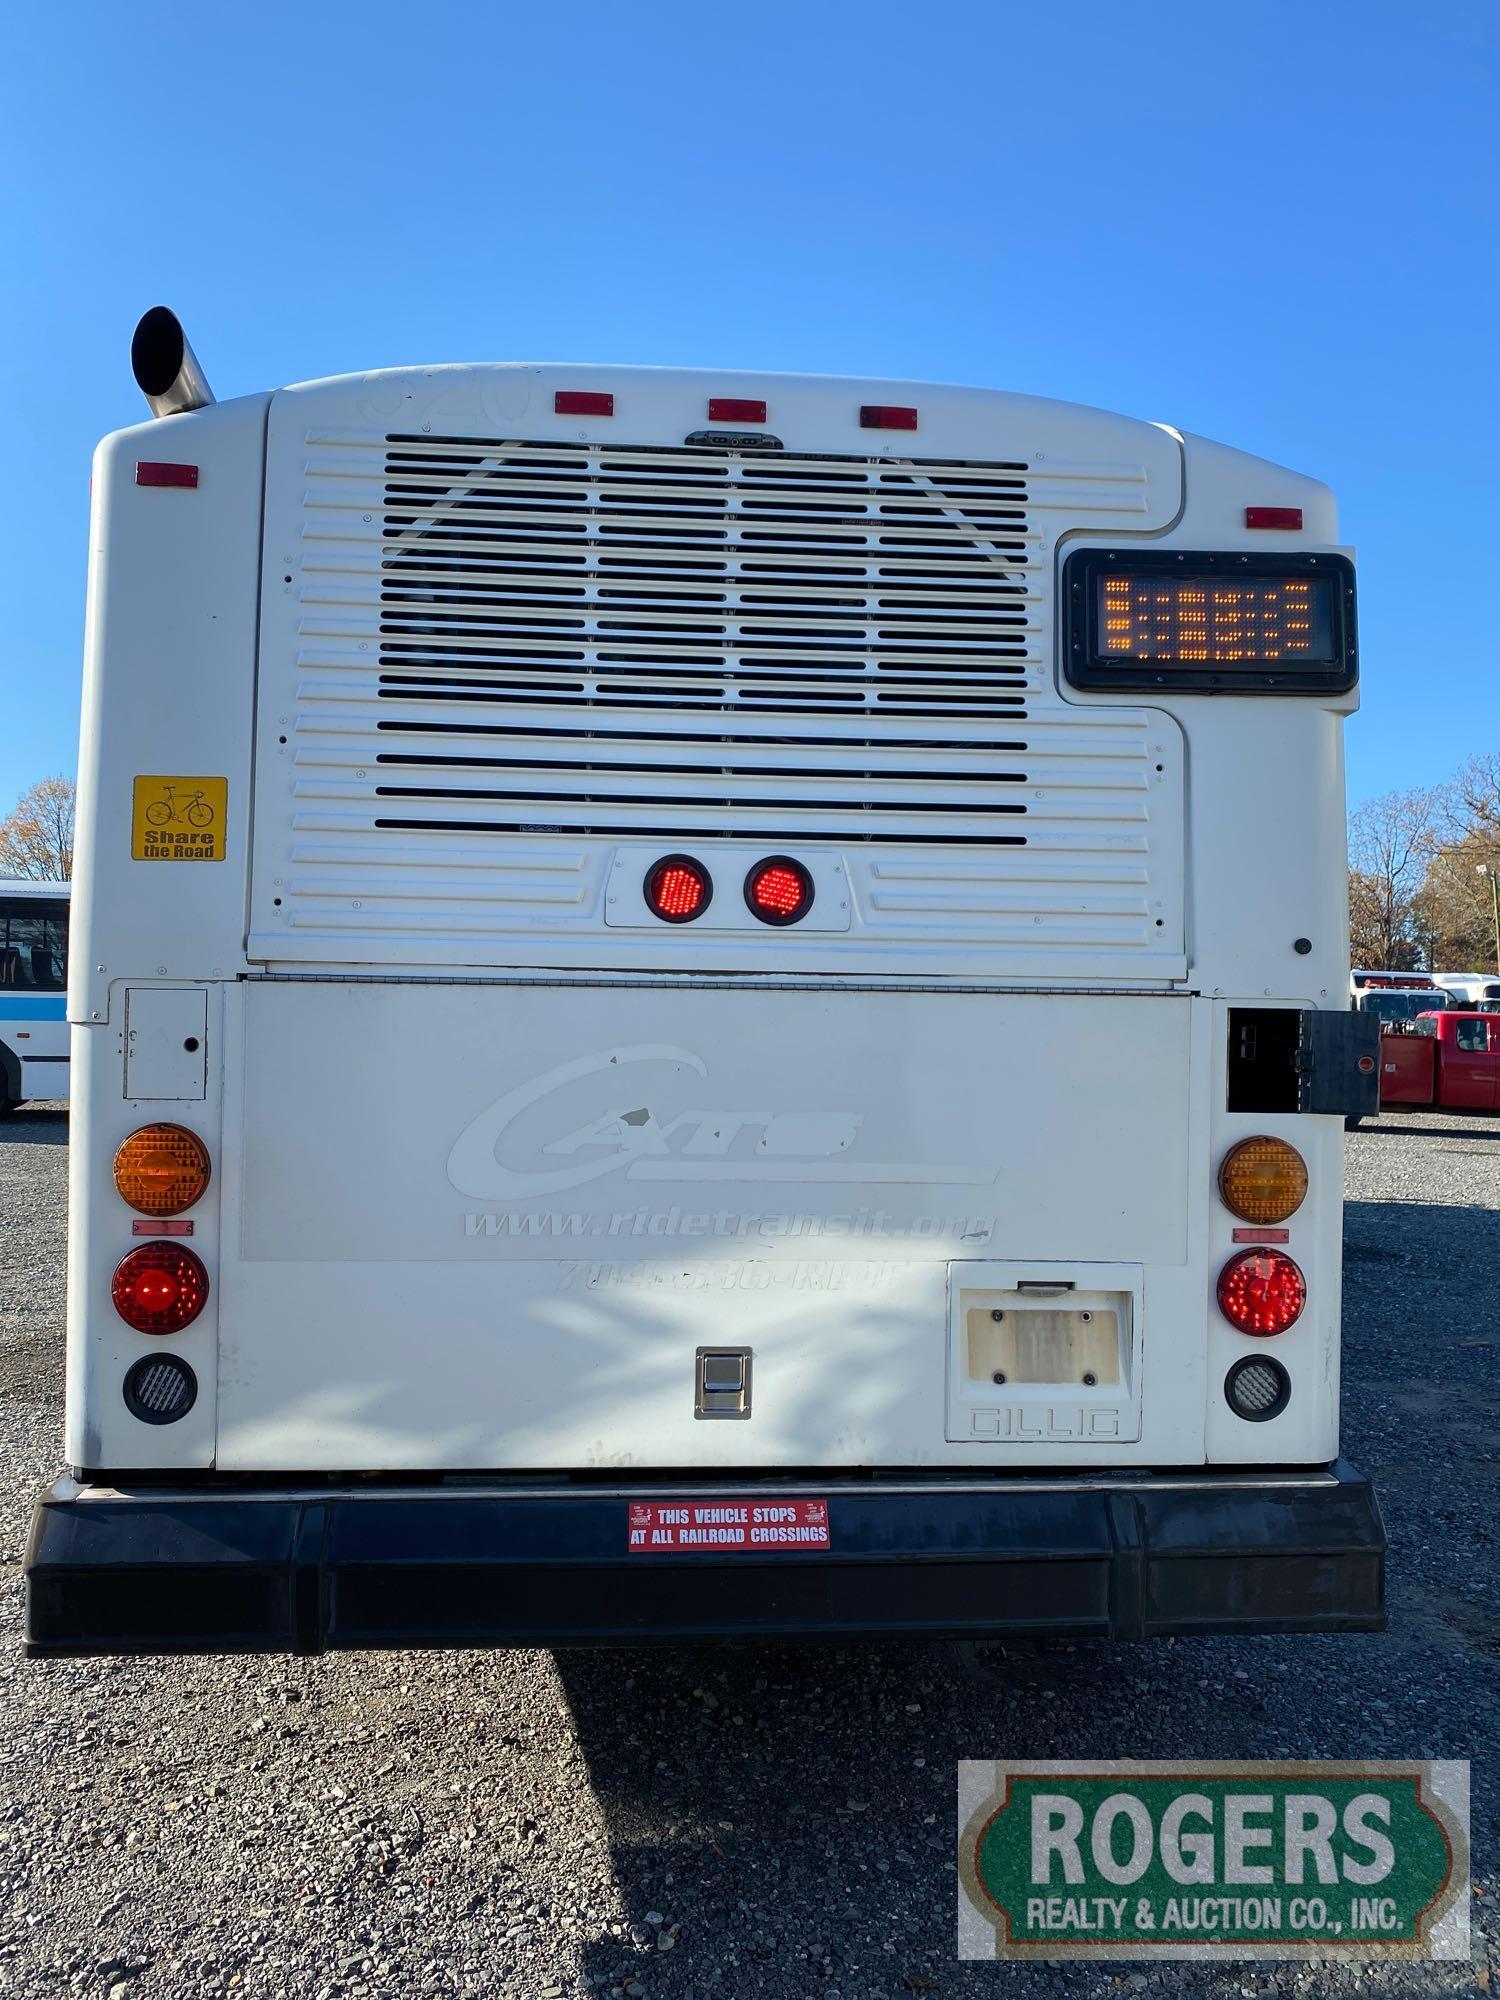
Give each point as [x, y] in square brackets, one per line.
[705, 1005]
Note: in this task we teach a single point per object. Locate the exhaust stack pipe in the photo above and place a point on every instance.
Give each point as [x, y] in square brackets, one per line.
[165, 366]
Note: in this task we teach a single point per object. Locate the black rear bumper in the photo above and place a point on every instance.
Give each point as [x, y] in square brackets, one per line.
[216, 1570]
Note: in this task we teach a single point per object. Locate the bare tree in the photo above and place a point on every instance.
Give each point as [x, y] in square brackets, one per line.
[36, 840]
[1457, 900]
[1391, 844]
[1455, 903]
[1474, 799]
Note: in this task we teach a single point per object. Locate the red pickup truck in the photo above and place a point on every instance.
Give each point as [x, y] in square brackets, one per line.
[1448, 1061]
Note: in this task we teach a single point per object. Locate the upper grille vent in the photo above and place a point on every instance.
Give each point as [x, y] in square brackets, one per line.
[497, 671]
[684, 577]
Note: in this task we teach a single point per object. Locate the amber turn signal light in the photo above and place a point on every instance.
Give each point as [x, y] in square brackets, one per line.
[1263, 1180]
[162, 1169]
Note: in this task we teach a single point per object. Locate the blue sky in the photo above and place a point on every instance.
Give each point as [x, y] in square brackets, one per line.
[1274, 225]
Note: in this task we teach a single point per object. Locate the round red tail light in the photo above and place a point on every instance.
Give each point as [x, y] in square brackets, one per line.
[160, 1288]
[677, 889]
[1261, 1291]
[779, 890]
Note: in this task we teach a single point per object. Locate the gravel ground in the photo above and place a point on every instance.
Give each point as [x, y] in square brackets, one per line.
[765, 1821]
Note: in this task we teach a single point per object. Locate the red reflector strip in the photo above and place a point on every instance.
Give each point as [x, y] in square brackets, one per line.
[1262, 1235]
[584, 403]
[157, 472]
[1273, 517]
[175, 1226]
[886, 417]
[735, 410]
[719, 1527]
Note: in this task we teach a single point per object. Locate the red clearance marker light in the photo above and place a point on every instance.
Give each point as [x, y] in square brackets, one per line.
[160, 1288]
[584, 403]
[158, 472]
[779, 890]
[1261, 1292]
[886, 417]
[1273, 517]
[735, 410]
[677, 889]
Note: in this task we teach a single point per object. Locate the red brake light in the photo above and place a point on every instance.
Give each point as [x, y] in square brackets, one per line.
[886, 417]
[677, 889]
[779, 890]
[584, 403]
[161, 472]
[160, 1288]
[1273, 517]
[1261, 1292]
[735, 410]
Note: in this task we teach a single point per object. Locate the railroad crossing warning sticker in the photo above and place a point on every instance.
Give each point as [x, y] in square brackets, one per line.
[763, 1527]
[179, 819]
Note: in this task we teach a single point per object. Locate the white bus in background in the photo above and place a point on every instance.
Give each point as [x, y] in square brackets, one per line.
[1470, 989]
[33, 991]
[1396, 998]
[707, 1004]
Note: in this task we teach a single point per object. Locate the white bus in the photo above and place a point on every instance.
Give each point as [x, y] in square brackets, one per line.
[707, 1004]
[1397, 998]
[1469, 989]
[33, 991]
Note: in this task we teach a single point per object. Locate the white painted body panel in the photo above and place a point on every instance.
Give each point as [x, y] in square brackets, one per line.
[494, 1154]
[557, 1205]
[40, 1045]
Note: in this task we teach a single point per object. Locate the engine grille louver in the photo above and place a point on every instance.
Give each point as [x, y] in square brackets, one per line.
[517, 575]
[652, 577]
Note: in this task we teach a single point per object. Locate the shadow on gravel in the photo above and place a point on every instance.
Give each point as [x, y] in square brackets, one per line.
[36, 1125]
[1479, 1128]
[780, 1819]
[1421, 1411]
[1454, 1243]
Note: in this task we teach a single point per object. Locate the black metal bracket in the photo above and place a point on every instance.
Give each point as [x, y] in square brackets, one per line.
[1338, 1063]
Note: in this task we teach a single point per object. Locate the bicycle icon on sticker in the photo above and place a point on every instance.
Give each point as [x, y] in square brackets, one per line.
[194, 812]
